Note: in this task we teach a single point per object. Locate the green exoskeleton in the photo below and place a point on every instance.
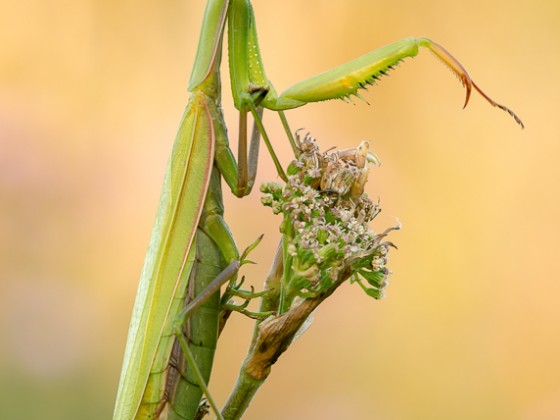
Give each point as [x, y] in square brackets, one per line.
[176, 316]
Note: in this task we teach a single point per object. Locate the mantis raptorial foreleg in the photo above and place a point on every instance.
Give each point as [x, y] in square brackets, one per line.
[340, 82]
[344, 81]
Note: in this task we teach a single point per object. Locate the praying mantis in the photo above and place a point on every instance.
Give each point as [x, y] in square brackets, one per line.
[176, 316]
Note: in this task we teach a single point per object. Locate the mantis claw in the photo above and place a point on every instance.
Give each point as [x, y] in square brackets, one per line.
[457, 68]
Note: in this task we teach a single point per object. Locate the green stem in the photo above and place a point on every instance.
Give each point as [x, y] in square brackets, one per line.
[285, 301]
[246, 386]
[273, 282]
[245, 389]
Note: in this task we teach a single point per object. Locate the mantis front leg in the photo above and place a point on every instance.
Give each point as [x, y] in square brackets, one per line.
[340, 82]
[346, 80]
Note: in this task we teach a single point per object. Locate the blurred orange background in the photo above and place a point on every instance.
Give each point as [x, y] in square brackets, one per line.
[91, 94]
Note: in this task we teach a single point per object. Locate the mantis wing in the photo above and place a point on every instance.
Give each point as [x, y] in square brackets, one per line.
[183, 194]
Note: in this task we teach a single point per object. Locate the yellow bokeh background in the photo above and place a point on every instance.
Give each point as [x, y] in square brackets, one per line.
[91, 94]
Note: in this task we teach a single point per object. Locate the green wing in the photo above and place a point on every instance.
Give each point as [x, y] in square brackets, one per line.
[183, 194]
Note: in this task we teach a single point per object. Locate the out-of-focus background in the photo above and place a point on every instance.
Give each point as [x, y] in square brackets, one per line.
[91, 94]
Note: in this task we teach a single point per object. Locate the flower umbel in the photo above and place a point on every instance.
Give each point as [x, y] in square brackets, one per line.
[326, 237]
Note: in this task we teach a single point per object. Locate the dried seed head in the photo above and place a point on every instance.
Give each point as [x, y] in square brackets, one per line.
[326, 216]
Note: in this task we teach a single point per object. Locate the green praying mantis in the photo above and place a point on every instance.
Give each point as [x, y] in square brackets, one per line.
[178, 310]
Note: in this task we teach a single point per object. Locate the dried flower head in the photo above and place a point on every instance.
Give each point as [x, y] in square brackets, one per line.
[325, 229]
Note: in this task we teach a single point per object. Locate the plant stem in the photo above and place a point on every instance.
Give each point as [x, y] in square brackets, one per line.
[271, 338]
[245, 389]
